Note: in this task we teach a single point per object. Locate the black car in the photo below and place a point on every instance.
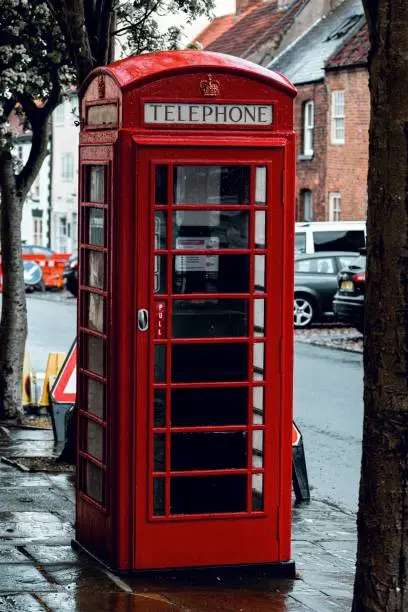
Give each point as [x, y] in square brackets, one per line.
[71, 275]
[316, 284]
[348, 303]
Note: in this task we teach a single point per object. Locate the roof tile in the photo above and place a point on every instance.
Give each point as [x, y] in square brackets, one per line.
[214, 29]
[354, 52]
[254, 27]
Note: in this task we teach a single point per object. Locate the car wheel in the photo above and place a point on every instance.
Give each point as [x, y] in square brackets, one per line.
[304, 311]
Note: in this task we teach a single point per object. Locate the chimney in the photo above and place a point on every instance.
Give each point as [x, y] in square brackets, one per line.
[242, 5]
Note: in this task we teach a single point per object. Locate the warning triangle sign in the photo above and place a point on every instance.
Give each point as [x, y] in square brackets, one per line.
[64, 388]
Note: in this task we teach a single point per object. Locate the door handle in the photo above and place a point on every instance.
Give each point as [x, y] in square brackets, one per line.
[142, 320]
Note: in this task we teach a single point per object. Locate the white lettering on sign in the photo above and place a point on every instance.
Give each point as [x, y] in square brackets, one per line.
[208, 114]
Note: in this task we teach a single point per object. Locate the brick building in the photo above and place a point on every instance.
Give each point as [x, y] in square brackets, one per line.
[328, 66]
[321, 46]
[347, 163]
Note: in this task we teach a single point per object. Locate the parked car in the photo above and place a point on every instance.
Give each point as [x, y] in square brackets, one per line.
[34, 249]
[316, 284]
[71, 275]
[348, 302]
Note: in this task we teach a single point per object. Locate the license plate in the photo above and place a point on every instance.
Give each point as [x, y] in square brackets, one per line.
[347, 286]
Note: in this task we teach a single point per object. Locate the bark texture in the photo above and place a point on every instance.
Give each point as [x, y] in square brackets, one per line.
[13, 326]
[382, 556]
[14, 189]
[86, 26]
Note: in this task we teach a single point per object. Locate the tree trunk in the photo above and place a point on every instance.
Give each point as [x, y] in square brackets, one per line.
[382, 555]
[13, 325]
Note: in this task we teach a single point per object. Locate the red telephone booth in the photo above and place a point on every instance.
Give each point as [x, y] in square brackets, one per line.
[187, 170]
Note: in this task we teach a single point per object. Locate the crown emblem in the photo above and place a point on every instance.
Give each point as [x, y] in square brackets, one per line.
[211, 87]
[101, 86]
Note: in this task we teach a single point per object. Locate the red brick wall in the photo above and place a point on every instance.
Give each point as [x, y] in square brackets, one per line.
[310, 173]
[347, 164]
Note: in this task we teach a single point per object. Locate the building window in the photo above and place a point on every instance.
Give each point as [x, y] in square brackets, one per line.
[334, 206]
[59, 115]
[308, 127]
[307, 205]
[62, 230]
[67, 167]
[37, 231]
[337, 126]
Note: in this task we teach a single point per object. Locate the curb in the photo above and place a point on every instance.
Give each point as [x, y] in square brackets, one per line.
[330, 346]
[15, 464]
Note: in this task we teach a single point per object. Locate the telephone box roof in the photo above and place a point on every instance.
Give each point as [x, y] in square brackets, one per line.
[149, 66]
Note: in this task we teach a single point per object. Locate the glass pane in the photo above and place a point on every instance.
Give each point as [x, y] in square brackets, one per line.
[96, 184]
[205, 229]
[161, 185]
[259, 318]
[95, 312]
[209, 451]
[211, 184]
[158, 496]
[259, 274]
[208, 494]
[260, 185]
[260, 228]
[209, 362]
[159, 450]
[96, 354]
[96, 221]
[195, 407]
[259, 360]
[159, 363]
[159, 407]
[210, 318]
[257, 448]
[258, 405]
[96, 269]
[95, 397]
[211, 274]
[94, 439]
[257, 492]
[160, 230]
[160, 274]
[94, 482]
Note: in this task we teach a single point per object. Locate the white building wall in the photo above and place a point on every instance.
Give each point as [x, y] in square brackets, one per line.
[34, 226]
[64, 188]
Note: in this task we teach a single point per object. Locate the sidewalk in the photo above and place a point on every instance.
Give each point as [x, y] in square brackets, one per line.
[39, 571]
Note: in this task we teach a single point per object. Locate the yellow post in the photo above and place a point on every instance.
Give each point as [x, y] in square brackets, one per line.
[54, 364]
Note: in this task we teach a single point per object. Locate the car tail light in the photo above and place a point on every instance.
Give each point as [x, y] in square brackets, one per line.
[360, 277]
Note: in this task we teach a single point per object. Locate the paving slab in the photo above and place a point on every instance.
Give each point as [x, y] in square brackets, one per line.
[20, 603]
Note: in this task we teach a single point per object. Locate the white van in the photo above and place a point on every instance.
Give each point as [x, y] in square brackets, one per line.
[311, 237]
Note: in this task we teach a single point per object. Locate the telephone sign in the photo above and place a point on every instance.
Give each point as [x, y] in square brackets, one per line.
[187, 166]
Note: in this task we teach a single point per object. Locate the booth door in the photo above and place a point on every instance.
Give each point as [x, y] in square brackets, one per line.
[208, 357]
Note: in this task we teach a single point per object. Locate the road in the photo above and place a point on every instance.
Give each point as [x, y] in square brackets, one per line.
[328, 408]
[328, 402]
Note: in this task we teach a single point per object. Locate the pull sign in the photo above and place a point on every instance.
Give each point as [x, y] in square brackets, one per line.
[142, 320]
[160, 331]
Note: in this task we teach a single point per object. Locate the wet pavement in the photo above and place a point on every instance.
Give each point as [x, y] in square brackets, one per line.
[39, 571]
